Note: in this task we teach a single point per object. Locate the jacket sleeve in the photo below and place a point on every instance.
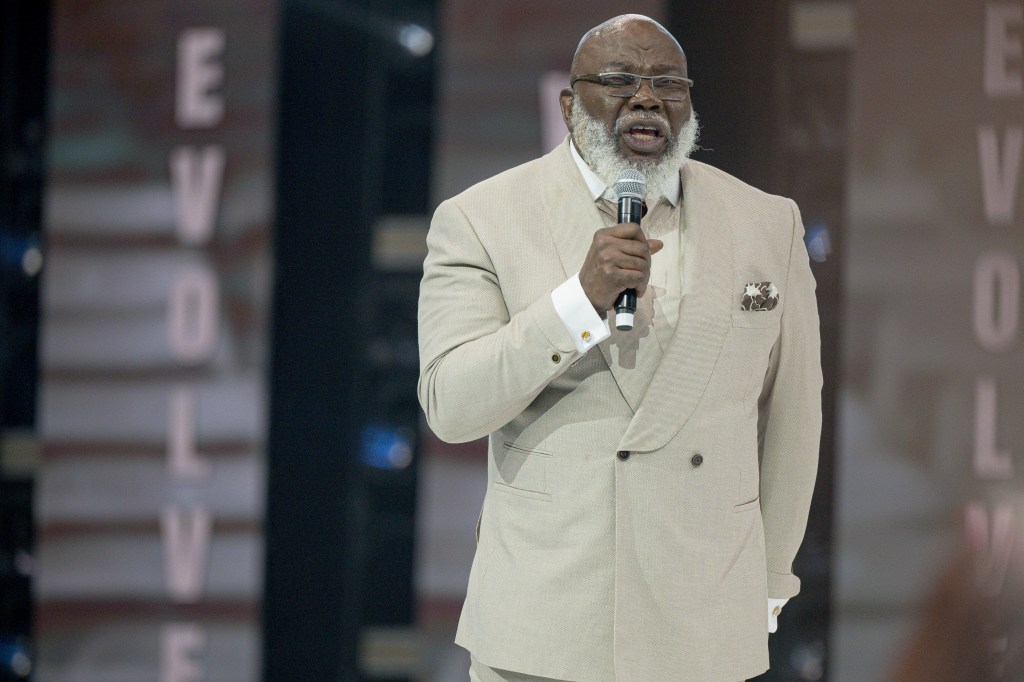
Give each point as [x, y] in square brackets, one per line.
[789, 421]
[479, 366]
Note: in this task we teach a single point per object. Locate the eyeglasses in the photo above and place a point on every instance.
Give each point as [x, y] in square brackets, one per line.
[618, 84]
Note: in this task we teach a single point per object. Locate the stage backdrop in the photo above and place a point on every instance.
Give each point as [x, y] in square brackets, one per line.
[150, 494]
[931, 435]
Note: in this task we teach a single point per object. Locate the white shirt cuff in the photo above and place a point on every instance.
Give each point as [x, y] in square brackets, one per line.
[774, 609]
[584, 325]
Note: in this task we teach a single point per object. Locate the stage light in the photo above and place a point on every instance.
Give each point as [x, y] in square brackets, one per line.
[32, 261]
[417, 40]
[386, 447]
[819, 243]
[17, 251]
[14, 659]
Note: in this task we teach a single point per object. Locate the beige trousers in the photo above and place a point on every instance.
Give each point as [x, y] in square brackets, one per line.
[478, 672]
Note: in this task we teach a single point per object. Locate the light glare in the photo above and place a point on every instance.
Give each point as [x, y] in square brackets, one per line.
[416, 39]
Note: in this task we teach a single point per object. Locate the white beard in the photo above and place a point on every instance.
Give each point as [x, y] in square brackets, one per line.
[599, 148]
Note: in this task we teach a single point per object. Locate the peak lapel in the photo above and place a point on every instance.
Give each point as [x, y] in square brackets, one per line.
[569, 213]
[704, 320]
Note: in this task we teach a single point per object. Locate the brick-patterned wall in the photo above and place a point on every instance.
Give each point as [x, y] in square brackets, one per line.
[118, 399]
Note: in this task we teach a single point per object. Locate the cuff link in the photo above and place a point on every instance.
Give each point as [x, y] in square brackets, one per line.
[776, 611]
[585, 335]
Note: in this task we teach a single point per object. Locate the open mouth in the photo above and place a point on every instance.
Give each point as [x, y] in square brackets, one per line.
[643, 139]
[644, 131]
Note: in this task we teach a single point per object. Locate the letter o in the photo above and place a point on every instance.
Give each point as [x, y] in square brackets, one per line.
[193, 315]
[996, 300]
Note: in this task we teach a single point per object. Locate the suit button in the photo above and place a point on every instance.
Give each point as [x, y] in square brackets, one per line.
[623, 455]
[697, 460]
[556, 358]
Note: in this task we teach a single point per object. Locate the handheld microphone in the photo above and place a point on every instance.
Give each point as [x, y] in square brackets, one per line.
[630, 187]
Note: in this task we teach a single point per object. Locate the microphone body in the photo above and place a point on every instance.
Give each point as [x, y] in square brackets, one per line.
[630, 188]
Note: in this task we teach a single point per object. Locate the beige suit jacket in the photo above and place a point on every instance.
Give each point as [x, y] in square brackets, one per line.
[655, 567]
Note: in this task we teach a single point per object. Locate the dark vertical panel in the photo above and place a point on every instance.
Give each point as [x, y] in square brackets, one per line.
[23, 81]
[732, 53]
[24, 57]
[354, 141]
[321, 246]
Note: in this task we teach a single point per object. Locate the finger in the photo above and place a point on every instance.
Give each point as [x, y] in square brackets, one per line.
[626, 231]
[639, 248]
[655, 245]
[630, 264]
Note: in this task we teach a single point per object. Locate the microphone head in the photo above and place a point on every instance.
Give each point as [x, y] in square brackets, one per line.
[631, 183]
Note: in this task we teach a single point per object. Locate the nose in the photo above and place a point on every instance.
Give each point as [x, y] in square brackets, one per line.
[645, 98]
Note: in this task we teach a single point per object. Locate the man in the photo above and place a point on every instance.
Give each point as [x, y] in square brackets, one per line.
[647, 490]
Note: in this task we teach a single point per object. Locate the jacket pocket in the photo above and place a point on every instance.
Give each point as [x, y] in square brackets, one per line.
[747, 506]
[528, 494]
[522, 471]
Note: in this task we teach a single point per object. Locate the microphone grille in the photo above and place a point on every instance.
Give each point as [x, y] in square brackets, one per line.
[631, 183]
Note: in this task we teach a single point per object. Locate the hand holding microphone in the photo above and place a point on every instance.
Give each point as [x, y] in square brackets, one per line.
[618, 265]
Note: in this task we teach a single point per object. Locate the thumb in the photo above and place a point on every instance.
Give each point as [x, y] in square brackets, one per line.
[655, 245]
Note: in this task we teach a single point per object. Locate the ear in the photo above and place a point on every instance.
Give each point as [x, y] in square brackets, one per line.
[565, 103]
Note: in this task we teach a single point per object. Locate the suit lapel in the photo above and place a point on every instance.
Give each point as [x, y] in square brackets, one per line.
[704, 320]
[570, 214]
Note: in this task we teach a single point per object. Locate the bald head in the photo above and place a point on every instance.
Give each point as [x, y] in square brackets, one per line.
[616, 29]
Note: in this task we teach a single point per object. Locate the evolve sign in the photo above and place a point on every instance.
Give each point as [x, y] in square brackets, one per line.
[997, 289]
[150, 496]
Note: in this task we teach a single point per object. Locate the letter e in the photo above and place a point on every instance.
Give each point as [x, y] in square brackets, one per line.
[198, 74]
[180, 645]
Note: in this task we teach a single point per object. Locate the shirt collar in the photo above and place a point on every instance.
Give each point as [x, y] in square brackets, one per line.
[598, 188]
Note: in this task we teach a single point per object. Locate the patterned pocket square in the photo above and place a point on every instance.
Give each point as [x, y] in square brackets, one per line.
[760, 297]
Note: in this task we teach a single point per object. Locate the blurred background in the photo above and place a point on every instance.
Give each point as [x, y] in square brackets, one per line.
[212, 222]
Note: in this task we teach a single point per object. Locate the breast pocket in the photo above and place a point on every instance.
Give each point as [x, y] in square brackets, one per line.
[757, 319]
[522, 472]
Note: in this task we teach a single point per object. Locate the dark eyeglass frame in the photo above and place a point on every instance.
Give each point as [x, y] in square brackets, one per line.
[599, 78]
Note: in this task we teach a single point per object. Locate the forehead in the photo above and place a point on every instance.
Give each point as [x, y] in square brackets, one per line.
[634, 46]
